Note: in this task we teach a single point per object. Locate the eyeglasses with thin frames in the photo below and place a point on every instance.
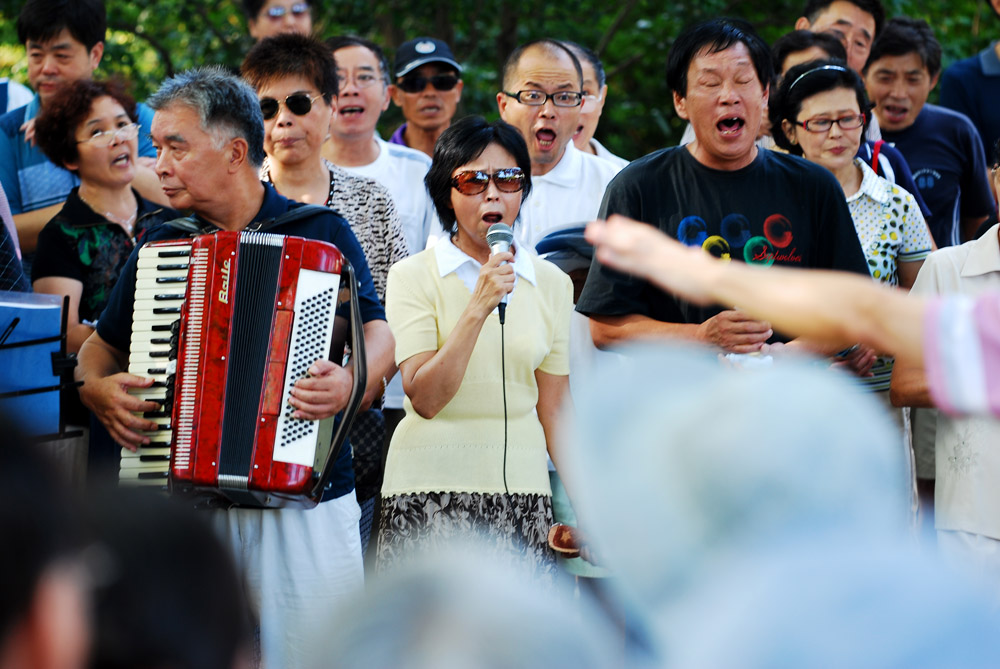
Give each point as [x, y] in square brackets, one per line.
[590, 102]
[109, 137]
[362, 79]
[849, 122]
[534, 98]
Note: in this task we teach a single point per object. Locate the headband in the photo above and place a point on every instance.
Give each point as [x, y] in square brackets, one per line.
[836, 68]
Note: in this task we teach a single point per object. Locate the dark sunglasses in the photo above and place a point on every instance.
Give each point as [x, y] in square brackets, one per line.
[297, 103]
[474, 182]
[441, 82]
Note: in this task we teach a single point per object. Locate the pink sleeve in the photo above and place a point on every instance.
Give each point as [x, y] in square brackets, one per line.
[962, 353]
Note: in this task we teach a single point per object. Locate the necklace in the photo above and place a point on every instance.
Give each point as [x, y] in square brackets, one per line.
[127, 223]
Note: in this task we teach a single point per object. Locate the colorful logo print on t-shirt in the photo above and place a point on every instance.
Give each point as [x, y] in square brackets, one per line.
[775, 244]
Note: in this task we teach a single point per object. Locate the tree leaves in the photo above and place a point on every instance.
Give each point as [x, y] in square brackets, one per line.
[152, 39]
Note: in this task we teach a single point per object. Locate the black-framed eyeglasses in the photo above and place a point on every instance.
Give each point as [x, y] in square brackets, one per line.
[298, 9]
[849, 122]
[474, 182]
[109, 137]
[299, 104]
[416, 84]
[534, 98]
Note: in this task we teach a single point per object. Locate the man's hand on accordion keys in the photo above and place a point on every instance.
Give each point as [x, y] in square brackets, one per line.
[110, 401]
[324, 392]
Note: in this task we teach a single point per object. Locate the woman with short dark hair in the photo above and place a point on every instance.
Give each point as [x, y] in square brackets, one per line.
[91, 129]
[296, 80]
[820, 112]
[481, 402]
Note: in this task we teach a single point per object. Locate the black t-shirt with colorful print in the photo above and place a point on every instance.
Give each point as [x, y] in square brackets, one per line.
[779, 210]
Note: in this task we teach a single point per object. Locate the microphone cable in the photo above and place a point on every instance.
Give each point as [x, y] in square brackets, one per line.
[503, 384]
[499, 238]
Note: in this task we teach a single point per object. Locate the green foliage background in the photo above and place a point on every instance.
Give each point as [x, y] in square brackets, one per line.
[150, 40]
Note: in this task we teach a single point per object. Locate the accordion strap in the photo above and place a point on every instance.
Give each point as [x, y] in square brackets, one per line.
[189, 225]
[290, 216]
[358, 386]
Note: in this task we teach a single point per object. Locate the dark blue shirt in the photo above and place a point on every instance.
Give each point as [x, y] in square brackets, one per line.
[115, 324]
[972, 87]
[945, 153]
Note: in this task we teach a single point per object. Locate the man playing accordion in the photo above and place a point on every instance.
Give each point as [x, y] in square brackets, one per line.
[208, 132]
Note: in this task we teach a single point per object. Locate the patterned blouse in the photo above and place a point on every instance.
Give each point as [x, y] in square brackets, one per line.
[889, 225]
[891, 230]
[371, 212]
[80, 244]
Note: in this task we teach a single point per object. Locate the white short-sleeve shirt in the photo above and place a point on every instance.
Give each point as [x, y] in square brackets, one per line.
[402, 170]
[967, 467]
[571, 192]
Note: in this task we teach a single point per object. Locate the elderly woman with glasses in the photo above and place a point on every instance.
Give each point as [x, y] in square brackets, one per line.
[481, 400]
[90, 129]
[820, 112]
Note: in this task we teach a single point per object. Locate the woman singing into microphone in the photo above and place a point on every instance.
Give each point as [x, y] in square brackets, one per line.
[481, 398]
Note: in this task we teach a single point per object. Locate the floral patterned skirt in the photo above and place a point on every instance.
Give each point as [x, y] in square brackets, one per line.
[514, 527]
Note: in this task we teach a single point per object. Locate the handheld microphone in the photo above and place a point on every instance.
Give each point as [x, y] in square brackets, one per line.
[499, 238]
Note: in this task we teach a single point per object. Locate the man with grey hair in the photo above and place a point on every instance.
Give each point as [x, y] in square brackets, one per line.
[208, 133]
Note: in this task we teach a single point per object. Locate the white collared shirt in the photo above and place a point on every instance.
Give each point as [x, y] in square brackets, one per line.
[571, 192]
[401, 170]
[450, 259]
[967, 461]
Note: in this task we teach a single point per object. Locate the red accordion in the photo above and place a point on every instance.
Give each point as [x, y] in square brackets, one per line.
[225, 324]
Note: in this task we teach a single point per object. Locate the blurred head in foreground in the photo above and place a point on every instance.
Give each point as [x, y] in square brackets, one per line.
[44, 583]
[168, 593]
[463, 609]
[771, 502]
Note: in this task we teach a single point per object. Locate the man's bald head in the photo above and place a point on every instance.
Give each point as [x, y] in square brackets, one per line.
[548, 46]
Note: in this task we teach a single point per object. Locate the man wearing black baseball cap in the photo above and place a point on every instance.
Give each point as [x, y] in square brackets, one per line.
[428, 88]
